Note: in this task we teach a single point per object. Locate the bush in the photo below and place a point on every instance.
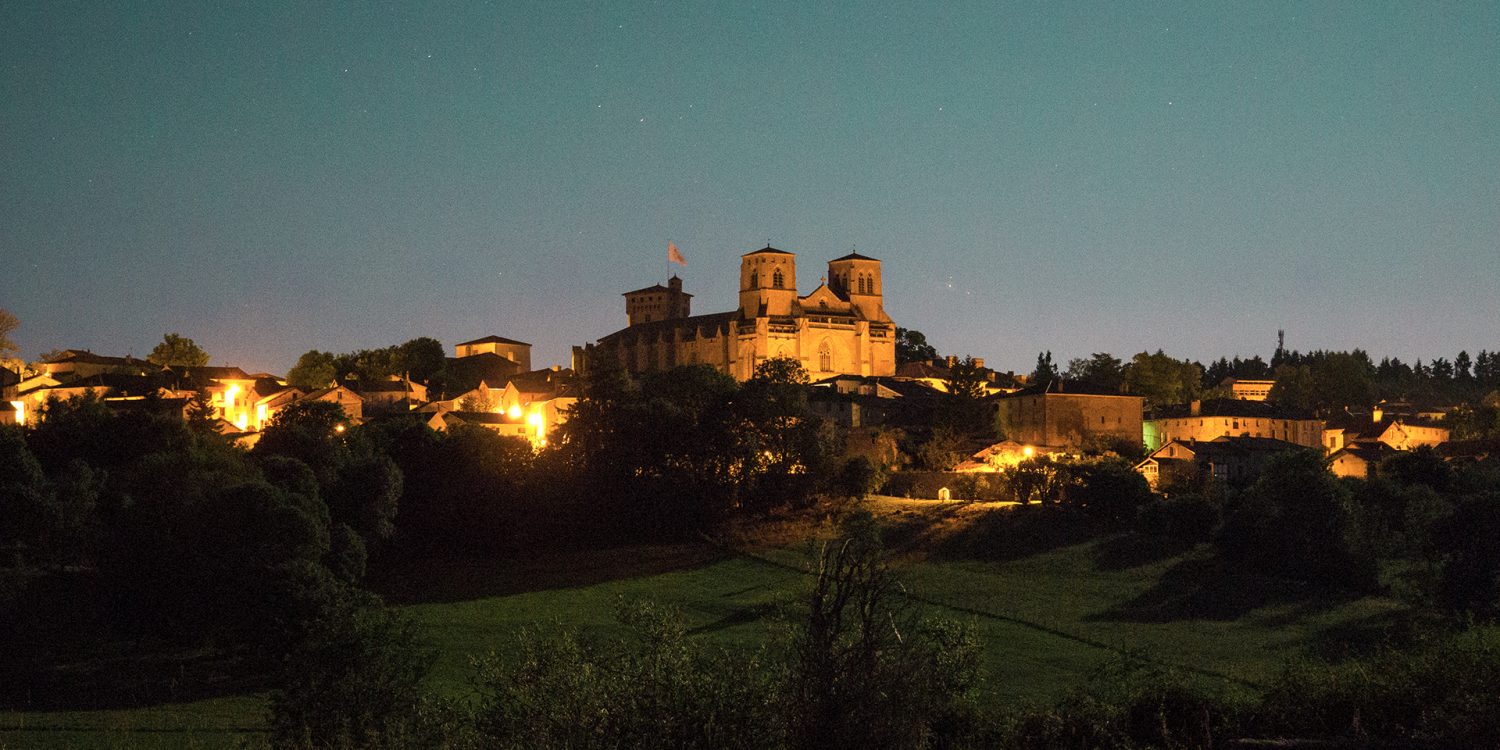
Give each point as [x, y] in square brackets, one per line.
[865, 670]
[1298, 522]
[1108, 491]
[1188, 519]
[1130, 705]
[653, 688]
[354, 682]
[1442, 694]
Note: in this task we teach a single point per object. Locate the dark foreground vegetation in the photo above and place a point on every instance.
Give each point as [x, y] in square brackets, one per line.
[145, 560]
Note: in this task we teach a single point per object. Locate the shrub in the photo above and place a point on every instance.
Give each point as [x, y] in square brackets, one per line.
[354, 682]
[1442, 694]
[1188, 519]
[653, 688]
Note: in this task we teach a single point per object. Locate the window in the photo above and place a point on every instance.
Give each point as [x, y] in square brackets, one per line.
[825, 357]
[777, 280]
[755, 279]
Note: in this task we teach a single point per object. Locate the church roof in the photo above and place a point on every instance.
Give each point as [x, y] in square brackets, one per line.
[855, 256]
[643, 290]
[494, 340]
[653, 289]
[767, 250]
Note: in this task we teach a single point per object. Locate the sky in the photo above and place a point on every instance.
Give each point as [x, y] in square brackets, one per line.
[273, 177]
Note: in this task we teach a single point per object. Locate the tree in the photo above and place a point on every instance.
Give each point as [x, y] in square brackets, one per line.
[1293, 388]
[1298, 521]
[1163, 380]
[177, 351]
[912, 346]
[8, 325]
[866, 670]
[355, 681]
[1045, 371]
[1100, 372]
[313, 370]
[962, 409]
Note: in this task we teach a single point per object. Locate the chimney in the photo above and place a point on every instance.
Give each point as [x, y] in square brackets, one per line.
[1195, 408]
[952, 360]
[1376, 414]
[978, 362]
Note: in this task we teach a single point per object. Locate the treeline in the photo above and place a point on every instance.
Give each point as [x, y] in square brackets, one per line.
[1321, 381]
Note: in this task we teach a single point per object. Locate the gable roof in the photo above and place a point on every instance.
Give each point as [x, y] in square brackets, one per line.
[494, 340]
[767, 250]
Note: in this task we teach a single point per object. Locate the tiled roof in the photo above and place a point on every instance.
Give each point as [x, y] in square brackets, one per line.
[767, 250]
[1229, 407]
[494, 340]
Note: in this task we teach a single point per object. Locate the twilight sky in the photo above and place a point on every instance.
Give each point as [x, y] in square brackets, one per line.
[273, 177]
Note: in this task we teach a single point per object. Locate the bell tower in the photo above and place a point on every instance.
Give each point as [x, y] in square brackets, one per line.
[768, 283]
[856, 278]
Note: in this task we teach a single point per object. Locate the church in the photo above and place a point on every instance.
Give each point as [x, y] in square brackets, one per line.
[840, 328]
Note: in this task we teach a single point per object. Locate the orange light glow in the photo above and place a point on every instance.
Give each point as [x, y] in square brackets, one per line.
[20, 407]
[229, 396]
[515, 411]
[1028, 451]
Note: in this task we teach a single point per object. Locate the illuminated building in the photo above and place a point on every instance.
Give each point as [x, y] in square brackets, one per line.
[1201, 421]
[841, 327]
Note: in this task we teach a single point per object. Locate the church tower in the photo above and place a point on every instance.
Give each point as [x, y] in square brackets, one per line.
[768, 283]
[857, 278]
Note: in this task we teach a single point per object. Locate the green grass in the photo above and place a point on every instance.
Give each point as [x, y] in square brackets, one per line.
[1047, 622]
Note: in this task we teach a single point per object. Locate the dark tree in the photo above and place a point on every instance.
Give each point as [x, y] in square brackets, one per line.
[176, 350]
[1045, 371]
[1163, 380]
[1100, 372]
[313, 370]
[8, 325]
[912, 346]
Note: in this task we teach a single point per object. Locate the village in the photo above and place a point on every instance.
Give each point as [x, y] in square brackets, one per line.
[877, 383]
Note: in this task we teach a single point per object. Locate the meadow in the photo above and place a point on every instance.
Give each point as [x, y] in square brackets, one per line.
[1050, 615]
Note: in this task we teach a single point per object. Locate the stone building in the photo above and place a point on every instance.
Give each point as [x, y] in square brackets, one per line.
[839, 328]
[1059, 415]
[1201, 421]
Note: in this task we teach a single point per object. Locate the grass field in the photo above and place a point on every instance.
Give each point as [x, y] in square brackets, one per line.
[1047, 620]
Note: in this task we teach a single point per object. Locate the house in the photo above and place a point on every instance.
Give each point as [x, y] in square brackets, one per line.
[1228, 459]
[1400, 433]
[503, 424]
[1201, 421]
[517, 352]
[391, 394]
[352, 403]
[1360, 460]
[840, 327]
[1245, 389]
[272, 401]
[1056, 414]
[82, 363]
[1000, 456]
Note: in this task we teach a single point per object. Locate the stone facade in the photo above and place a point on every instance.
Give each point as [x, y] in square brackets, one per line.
[840, 328]
[1048, 416]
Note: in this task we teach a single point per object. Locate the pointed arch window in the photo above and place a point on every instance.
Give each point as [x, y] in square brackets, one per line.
[755, 279]
[825, 357]
[777, 280]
